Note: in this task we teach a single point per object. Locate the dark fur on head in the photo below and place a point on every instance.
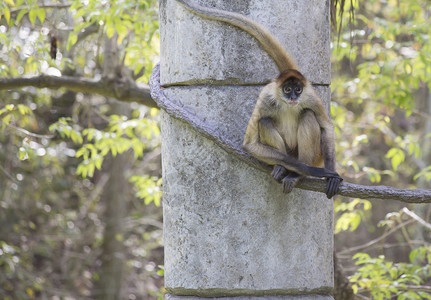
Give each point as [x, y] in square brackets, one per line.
[290, 73]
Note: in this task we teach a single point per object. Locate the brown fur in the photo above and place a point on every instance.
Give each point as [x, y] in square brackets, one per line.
[290, 73]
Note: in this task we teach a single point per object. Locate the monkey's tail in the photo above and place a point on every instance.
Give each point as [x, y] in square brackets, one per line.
[269, 42]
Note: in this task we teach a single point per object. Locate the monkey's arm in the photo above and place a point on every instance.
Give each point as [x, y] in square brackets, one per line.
[327, 141]
[328, 151]
[327, 144]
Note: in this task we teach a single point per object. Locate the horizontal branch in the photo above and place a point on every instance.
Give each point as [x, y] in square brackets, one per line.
[313, 184]
[129, 91]
[119, 88]
[376, 240]
[45, 6]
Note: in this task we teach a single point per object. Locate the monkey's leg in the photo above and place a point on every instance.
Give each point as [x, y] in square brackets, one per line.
[290, 181]
[279, 172]
[274, 157]
[269, 135]
[309, 150]
[308, 147]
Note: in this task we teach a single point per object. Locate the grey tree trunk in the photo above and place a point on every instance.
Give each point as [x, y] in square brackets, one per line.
[228, 229]
[109, 286]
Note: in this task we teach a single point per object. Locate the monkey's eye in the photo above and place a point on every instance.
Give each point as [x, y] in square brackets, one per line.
[287, 89]
[298, 90]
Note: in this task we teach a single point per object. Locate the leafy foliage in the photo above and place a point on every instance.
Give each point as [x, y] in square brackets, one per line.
[385, 279]
[120, 136]
[381, 110]
[54, 146]
[351, 214]
[386, 47]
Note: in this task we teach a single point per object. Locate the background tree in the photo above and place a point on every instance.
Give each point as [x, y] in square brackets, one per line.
[381, 108]
[69, 225]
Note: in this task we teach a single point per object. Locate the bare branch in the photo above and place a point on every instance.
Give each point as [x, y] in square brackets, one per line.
[359, 296]
[28, 133]
[312, 184]
[83, 34]
[406, 287]
[8, 175]
[49, 5]
[416, 217]
[376, 240]
[119, 88]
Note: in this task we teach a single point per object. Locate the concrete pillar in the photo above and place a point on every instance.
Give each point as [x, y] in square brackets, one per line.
[229, 231]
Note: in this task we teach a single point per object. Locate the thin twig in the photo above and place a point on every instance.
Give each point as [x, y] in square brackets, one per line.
[51, 5]
[361, 297]
[28, 133]
[416, 217]
[8, 175]
[406, 287]
[375, 241]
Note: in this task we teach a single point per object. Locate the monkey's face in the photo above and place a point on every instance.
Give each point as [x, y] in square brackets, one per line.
[292, 89]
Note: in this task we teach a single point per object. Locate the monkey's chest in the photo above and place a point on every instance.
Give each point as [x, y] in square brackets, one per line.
[288, 130]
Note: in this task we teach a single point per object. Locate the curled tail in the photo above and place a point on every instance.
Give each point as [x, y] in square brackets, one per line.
[268, 42]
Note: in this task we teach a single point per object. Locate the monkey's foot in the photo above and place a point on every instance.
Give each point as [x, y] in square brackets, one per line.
[289, 182]
[332, 186]
[279, 172]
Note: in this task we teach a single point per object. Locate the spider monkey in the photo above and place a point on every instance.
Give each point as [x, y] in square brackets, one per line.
[289, 127]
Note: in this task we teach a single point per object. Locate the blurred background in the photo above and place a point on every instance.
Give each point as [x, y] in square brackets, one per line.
[80, 172]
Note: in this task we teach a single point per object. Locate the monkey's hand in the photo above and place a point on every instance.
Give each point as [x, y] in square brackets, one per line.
[333, 185]
[279, 172]
[289, 182]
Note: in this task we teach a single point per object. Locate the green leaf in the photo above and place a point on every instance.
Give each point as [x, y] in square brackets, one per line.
[375, 69]
[82, 170]
[397, 157]
[23, 154]
[354, 222]
[72, 40]
[6, 13]
[76, 137]
[110, 32]
[413, 254]
[82, 152]
[98, 162]
[10, 2]
[32, 14]
[24, 109]
[425, 172]
[21, 14]
[41, 15]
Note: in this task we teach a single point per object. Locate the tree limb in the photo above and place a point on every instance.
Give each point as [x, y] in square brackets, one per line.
[48, 5]
[119, 88]
[128, 91]
[376, 240]
[313, 184]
